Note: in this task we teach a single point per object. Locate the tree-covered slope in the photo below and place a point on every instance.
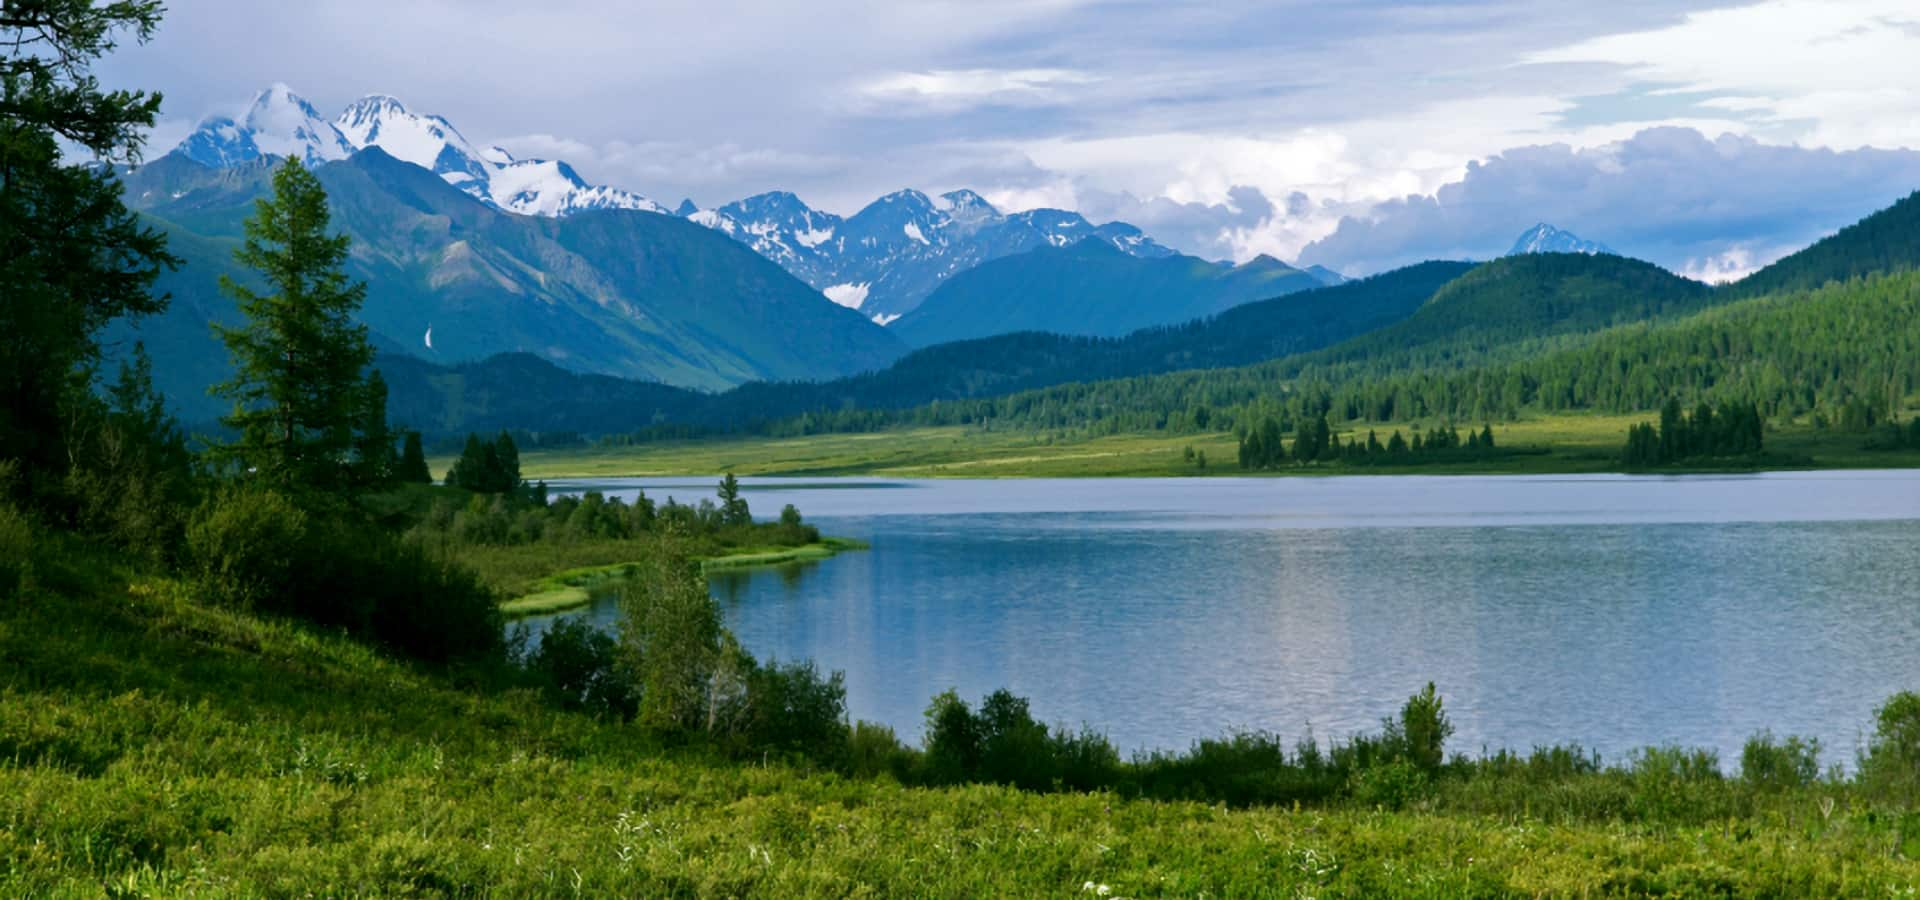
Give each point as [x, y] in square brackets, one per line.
[616, 292]
[1090, 288]
[1886, 241]
[520, 391]
[1516, 302]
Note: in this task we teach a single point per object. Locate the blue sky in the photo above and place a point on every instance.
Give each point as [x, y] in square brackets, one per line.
[1358, 135]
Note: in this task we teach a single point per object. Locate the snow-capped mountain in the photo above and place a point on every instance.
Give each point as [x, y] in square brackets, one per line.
[882, 260]
[886, 258]
[280, 123]
[1544, 238]
[277, 123]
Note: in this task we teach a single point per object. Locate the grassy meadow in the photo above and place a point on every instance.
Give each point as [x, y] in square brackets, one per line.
[1544, 445]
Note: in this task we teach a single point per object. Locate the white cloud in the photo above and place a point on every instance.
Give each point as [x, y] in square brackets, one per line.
[1837, 72]
[946, 90]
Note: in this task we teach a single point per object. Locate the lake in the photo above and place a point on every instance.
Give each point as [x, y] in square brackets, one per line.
[1611, 612]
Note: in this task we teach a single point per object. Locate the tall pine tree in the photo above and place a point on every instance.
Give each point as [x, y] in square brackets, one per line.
[72, 256]
[298, 360]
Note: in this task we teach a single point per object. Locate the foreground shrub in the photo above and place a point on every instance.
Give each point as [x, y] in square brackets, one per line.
[245, 547]
[255, 549]
[1890, 767]
[1792, 763]
[577, 665]
[791, 708]
[16, 549]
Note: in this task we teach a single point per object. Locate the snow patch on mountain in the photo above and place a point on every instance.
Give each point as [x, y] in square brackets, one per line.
[850, 296]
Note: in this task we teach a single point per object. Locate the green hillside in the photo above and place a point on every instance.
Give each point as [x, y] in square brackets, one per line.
[1886, 241]
[1091, 288]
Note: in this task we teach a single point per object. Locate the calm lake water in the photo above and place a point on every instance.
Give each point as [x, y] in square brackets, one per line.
[1607, 611]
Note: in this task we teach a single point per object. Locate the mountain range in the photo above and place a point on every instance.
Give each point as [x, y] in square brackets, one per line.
[883, 260]
[613, 291]
[891, 255]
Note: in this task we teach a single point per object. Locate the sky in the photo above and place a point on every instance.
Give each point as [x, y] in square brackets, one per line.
[1707, 137]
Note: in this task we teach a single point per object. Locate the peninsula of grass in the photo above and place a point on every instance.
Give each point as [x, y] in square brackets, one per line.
[573, 588]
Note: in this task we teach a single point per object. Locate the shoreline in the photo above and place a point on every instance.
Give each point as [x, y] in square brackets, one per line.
[571, 588]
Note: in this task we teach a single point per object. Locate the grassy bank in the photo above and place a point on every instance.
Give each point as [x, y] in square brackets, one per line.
[573, 588]
[153, 746]
[1549, 445]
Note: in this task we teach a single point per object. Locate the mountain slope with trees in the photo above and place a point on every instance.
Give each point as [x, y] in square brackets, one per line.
[521, 391]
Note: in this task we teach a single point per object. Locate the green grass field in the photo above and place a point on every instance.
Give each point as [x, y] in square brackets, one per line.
[151, 746]
[572, 588]
[1567, 444]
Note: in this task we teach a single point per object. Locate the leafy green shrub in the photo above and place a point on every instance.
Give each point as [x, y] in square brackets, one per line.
[873, 749]
[578, 667]
[953, 740]
[245, 547]
[1890, 767]
[791, 708]
[1792, 763]
[1391, 785]
[422, 605]
[16, 549]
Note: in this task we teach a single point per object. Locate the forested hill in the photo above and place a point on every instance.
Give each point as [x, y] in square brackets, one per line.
[1886, 241]
[1791, 354]
[519, 391]
[1515, 303]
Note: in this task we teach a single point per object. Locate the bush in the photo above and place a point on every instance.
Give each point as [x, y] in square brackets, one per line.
[578, 667]
[421, 605]
[16, 549]
[1890, 767]
[792, 709]
[1391, 785]
[254, 549]
[1792, 763]
[245, 546]
[873, 749]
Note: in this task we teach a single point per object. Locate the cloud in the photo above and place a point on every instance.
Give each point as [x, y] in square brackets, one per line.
[1826, 72]
[945, 90]
[1668, 195]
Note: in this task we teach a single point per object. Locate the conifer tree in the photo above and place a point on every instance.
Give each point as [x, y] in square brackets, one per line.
[72, 256]
[298, 359]
[733, 507]
[373, 442]
[413, 461]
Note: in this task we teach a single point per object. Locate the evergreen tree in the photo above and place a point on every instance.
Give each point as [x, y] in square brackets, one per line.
[733, 507]
[413, 461]
[469, 472]
[505, 474]
[298, 359]
[72, 256]
[373, 442]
